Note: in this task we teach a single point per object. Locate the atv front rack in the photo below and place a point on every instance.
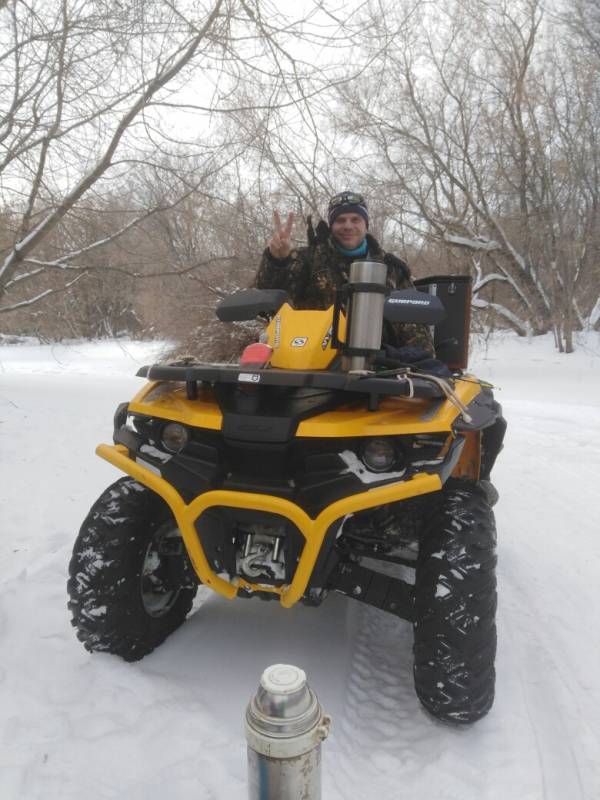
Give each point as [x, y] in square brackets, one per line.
[403, 384]
[313, 530]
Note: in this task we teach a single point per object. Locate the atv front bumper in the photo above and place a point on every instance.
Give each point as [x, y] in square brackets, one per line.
[313, 530]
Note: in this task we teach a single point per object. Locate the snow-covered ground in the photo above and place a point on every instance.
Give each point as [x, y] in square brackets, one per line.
[75, 725]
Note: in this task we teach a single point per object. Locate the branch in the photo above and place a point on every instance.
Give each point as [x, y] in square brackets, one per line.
[34, 237]
[594, 317]
[493, 277]
[58, 265]
[479, 243]
[518, 324]
[62, 261]
[32, 300]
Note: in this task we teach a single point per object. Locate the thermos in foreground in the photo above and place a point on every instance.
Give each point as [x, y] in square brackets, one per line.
[285, 726]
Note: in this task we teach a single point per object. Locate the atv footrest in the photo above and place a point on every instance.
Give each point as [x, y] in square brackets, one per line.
[375, 589]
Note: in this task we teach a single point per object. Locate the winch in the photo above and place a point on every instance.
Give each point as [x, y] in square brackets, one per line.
[262, 557]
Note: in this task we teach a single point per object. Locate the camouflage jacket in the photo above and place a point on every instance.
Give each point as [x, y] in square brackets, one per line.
[311, 275]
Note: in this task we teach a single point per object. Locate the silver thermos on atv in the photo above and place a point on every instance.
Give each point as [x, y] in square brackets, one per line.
[285, 726]
[365, 313]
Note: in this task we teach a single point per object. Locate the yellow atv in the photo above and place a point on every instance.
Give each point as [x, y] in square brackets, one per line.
[315, 465]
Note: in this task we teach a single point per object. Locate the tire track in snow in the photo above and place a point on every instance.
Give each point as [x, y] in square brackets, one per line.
[548, 594]
[385, 732]
[555, 716]
[377, 701]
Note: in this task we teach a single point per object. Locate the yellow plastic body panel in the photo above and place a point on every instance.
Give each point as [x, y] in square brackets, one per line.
[302, 339]
[169, 401]
[395, 415]
[313, 530]
[469, 464]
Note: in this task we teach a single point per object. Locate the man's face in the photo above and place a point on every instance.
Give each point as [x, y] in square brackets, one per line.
[349, 230]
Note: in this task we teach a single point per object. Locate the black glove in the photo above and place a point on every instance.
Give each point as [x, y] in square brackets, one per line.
[417, 358]
[399, 267]
[318, 234]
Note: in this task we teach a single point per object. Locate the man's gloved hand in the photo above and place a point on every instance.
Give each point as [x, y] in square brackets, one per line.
[418, 358]
[316, 235]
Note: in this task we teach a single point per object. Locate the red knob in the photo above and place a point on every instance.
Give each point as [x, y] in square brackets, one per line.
[257, 355]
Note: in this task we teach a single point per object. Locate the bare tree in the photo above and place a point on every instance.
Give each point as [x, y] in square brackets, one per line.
[92, 92]
[485, 141]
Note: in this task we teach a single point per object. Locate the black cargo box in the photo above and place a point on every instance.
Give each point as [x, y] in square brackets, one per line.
[451, 337]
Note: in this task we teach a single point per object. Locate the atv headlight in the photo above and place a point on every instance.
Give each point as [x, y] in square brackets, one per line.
[175, 436]
[378, 455]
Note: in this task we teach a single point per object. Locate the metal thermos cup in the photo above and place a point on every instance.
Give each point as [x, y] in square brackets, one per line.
[365, 314]
[285, 726]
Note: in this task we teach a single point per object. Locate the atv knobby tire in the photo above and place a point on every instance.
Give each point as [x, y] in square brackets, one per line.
[127, 591]
[455, 605]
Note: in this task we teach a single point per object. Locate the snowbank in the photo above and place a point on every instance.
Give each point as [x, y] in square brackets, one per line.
[101, 358]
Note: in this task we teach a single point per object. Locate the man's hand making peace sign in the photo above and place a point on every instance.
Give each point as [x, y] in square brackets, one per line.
[281, 242]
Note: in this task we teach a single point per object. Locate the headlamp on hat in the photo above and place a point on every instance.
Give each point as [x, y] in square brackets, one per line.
[347, 203]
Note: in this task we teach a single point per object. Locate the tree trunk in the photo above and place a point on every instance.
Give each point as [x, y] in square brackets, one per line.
[568, 327]
[556, 330]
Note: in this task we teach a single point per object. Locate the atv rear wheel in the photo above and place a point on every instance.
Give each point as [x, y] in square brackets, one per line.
[130, 583]
[455, 605]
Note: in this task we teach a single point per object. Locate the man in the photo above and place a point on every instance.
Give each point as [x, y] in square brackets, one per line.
[312, 274]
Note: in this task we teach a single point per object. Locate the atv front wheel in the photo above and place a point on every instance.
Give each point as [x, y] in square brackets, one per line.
[455, 605]
[130, 583]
